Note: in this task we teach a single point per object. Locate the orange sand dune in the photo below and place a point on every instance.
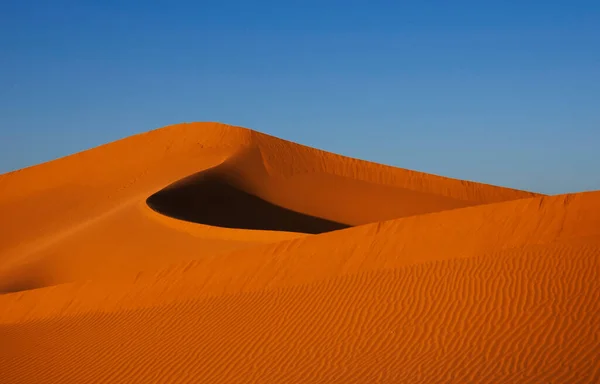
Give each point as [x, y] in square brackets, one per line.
[210, 253]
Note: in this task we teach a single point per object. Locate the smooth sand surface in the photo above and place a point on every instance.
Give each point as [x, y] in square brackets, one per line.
[201, 253]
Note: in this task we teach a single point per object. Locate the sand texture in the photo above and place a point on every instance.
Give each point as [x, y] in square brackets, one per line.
[207, 253]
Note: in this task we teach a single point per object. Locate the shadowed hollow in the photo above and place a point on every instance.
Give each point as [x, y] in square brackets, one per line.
[209, 198]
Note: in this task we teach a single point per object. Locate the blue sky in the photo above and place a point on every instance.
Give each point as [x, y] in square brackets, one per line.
[505, 93]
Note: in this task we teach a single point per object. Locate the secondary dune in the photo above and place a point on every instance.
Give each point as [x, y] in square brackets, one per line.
[209, 253]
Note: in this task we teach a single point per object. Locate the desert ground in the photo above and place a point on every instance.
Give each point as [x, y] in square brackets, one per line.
[208, 253]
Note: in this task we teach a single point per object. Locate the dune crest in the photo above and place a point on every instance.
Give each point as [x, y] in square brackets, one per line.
[210, 253]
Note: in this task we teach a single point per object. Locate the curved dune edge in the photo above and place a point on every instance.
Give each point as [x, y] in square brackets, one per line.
[462, 233]
[208, 231]
[214, 198]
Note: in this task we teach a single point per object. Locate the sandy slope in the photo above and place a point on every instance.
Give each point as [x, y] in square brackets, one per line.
[211, 253]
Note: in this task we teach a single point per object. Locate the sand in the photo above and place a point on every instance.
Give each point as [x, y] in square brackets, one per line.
[211, 253]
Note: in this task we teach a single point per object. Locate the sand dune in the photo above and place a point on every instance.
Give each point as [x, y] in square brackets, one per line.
[210, 253]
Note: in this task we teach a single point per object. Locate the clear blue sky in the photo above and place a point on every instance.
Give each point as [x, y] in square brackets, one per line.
[504, 92]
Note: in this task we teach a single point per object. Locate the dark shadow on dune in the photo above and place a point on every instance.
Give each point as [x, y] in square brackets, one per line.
[209, 198]
[19, 286]
[26, 277]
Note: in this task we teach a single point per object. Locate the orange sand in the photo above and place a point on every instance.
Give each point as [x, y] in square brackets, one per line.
[210, 253]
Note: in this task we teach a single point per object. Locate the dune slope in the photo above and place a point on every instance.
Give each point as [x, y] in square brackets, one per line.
[525, 316]
[210, 253]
